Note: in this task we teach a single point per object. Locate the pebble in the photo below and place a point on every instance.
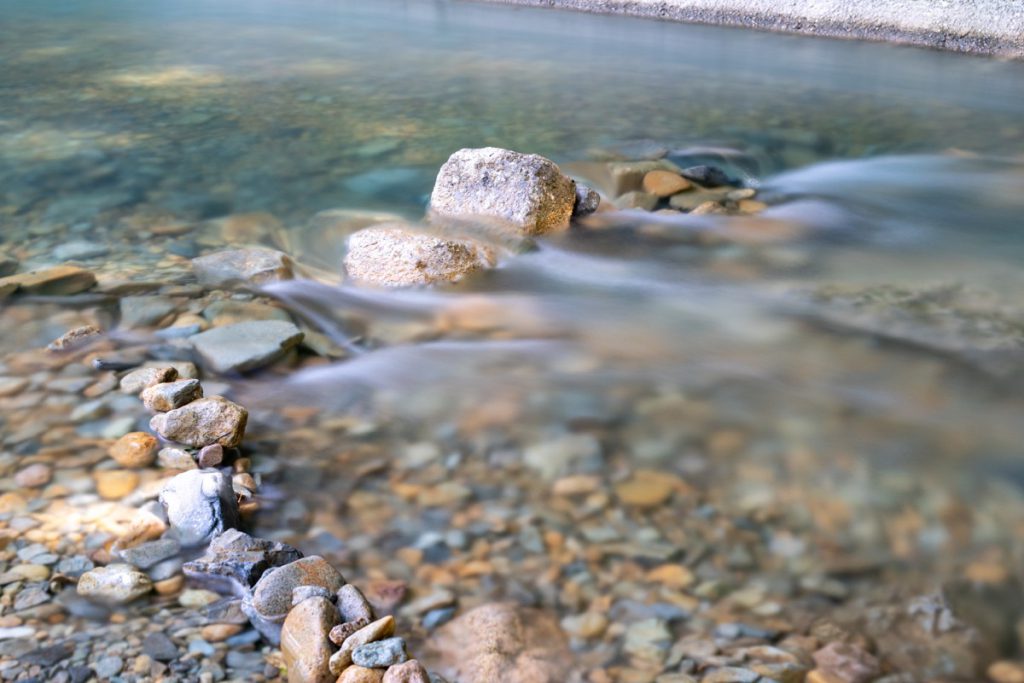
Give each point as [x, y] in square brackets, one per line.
[159, 647]
[135, 449]
[661, 183]
[304, 642]
[197, 598]
[170, 395]
[75, 338]
[358, 674]
[246, 345]
[382, 628]
[847, 663]
[216, 633]
[115, 484]
[586, 625]
[210, 456]
[33, 476]
[108, 667]
[58, 281]
[380, 654]
[145, 555]
[203, 422]
[645, 489]
[142, 378]
[1005, 671]
[115, 583]
[173, 458]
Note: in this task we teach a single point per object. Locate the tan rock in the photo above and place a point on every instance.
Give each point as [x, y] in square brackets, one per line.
[407, 672]
[34, 475]
[377, 630]
[398, 255]
[170, 586]
[272, 595]
[61, 280]
[170, 395]
[203, 422]
[252, 266]
[115, 583]
[216, 633]
[645, 489]
[847, 663]
[137, 380]
[135, 449]
[360, 674]
[502, 642]
[304, 642]
[115, 484]
[1005, 671]
[662, 183]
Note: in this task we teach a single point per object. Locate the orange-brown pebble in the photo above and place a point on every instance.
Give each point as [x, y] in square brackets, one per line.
[135, 449]
[664, 183]
[115, 484]
[360, 674]
[170, 586]
[216, 633]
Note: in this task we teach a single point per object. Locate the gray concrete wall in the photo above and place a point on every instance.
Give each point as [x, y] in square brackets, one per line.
[990, 27]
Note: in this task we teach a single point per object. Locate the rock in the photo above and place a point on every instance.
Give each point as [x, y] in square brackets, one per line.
[143, 378]
[115, 484]
[145, 311]
[160, 647]
[1005, 671]
[586, 625]
[526, 190]
[217, 633]
[235, 561]
[382, 628]
[304, 642]
[587, 201]
[115, 583]
[75, 338]
[107, 668]
[708, 176]
[135, 449]
[502, 642]
[200, 504]
[380, 654]
[648, 641]
[342, 631]
[203, 422]
[246, 345]
[358, 674]
[251, 266]
[353, 605]
[170, 395]
[79, 250]
[646, 489]
[210, 456]
[175, 459]
[145, 555]
[637, 200]
[628, 176]
[58, 281]
[271, 597]
[300, 593]
[197, 598]
[407, 672]
[847, 663]
[396, 255]
[664, 183]
[34, 475]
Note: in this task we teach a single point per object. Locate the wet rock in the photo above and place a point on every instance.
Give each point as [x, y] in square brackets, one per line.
[502, 642]
[526, 190]
[170, 395]
[708, 176]
[115, 484]
[34, 475]
[377, 630]
[143, 378]
[271, 597]
[380, 654]
[408, 672]
[353, 605]
[148, 554]
[246, 345]
[160, 647]
[79, 250]
[134, 449]
[587, 201]
[304, 642]
[175, 459]
[115, 583]
[235, 561]
[359, 674]
[637, 200]
[75, 338]
[252, 266]
[58, 281]
[396, 255]
[847, 663]
[203, 422]
[661, 183]
[210, 456]
[144, 311]
[200, 504]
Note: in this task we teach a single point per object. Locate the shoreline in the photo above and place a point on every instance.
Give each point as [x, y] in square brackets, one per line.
[993, 29]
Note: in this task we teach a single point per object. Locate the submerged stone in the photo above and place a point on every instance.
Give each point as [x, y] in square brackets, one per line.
[246, 345]
[526, 190]
[252, 266]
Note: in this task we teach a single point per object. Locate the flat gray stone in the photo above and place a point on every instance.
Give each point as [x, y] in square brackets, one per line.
[251, 266]
[246, 345]
[380, 654]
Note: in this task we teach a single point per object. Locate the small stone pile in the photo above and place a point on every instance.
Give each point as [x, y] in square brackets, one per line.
[325, 627]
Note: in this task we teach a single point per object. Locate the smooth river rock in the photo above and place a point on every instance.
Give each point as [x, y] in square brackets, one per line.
[502, 642]
[377, 630]
[271, 598]
[115, 583]
[397, 255]
[246, 345]
[251, 266]
[380, 654]
[142, 378]
[203, 422]
[526, 190]
[170, 395]
[200, 504]
[304, 642]
[57, 281]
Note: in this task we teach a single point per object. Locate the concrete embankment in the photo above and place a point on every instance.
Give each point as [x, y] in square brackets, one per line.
[989, 27]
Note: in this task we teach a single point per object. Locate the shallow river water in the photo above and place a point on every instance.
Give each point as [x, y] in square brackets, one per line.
[678, 436]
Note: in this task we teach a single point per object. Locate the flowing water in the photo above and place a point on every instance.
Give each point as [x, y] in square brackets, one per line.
[809, 412]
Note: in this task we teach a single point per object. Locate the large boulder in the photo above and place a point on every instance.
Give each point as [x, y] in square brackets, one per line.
[526, 190]
[397, 255]
[200, 505]
[502, 642]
